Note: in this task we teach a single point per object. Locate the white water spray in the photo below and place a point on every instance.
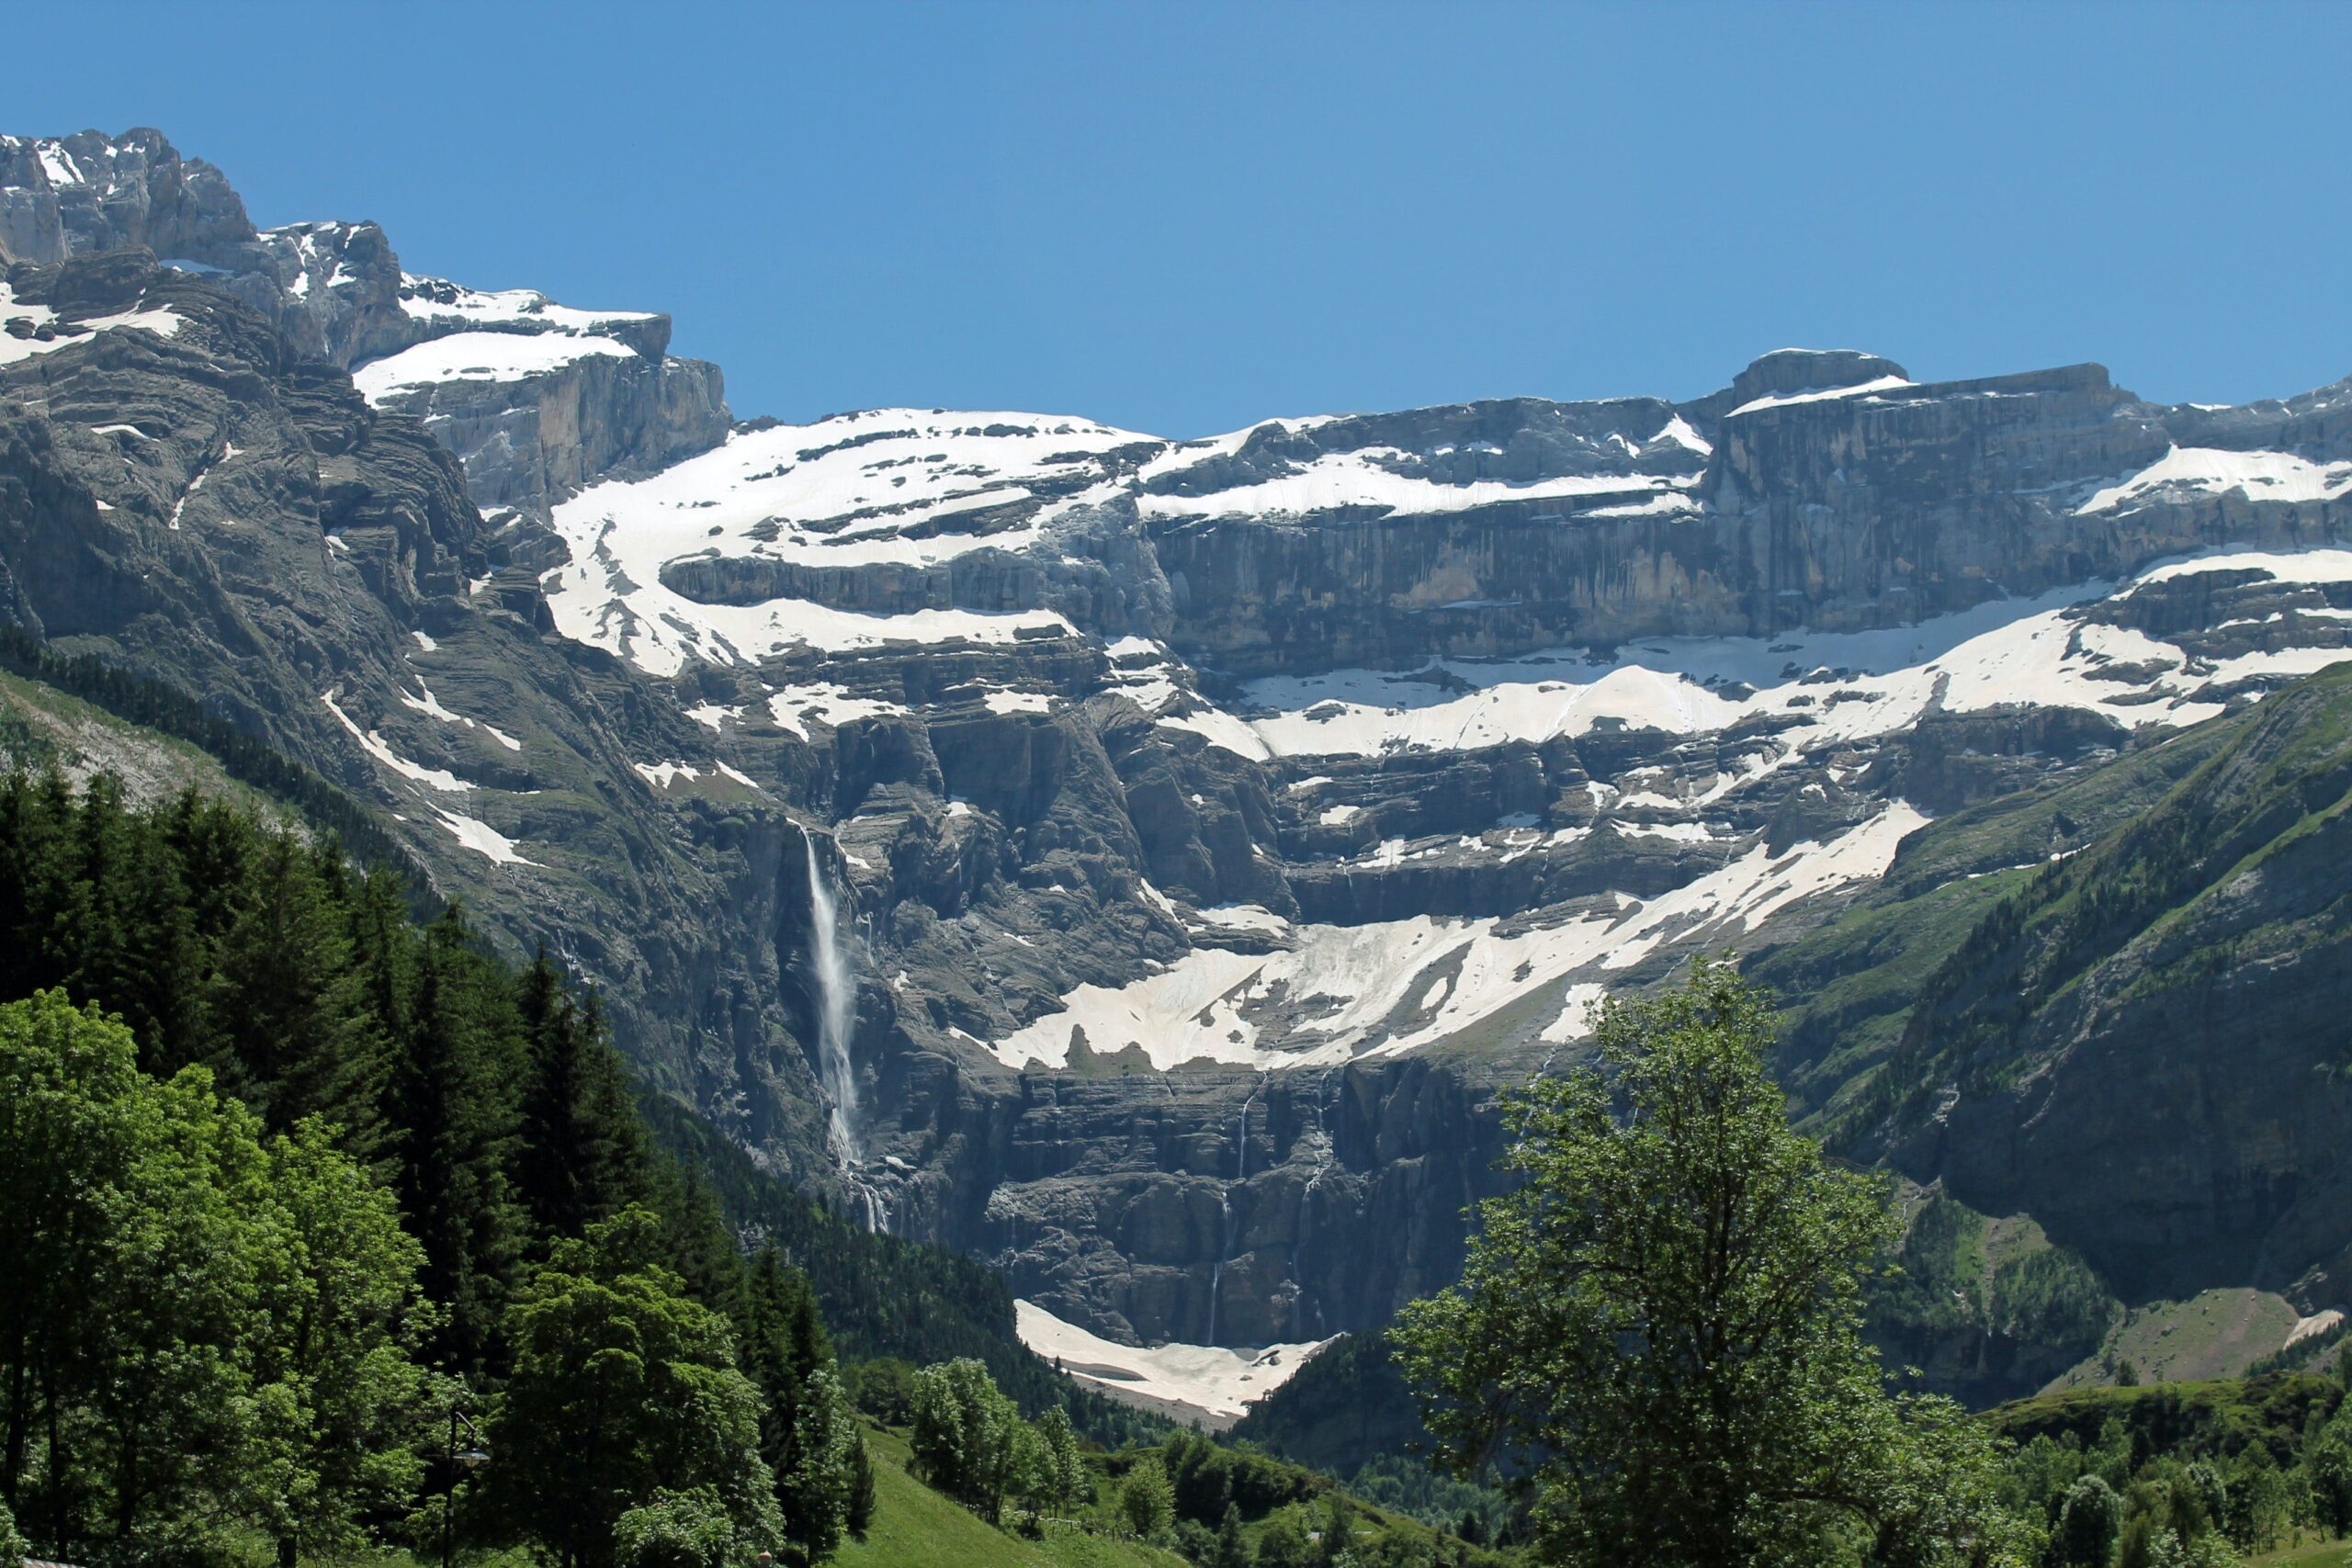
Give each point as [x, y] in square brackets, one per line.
[836, 1008]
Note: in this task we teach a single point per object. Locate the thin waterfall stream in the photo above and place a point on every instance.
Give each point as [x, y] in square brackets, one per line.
[836, 1023]
[1224, 1205]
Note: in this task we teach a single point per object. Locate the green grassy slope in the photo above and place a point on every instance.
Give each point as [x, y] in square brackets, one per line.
[916, 1527]
[1849, 987]
[2148, 901]
[2193, 1418]
[2216, 1334]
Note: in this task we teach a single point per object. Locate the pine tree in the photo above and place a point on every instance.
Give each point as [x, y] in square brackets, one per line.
[288, 1001]
[1229, 1550]
[702, 1248]
[861, 1490]
[807, 1435]
[584, 1156]
[452, 1105]
[124, 933]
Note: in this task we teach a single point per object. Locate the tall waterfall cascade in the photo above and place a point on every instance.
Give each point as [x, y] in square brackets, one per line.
[836, 1022]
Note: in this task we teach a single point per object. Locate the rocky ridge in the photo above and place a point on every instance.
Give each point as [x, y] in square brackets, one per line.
[1222, 820]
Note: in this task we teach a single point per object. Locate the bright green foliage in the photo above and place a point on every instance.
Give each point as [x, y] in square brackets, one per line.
[623, 1387]
[339, 1392]
[225, 1315]
[13, 1546]
[1145, 1503]
[964, 1435]
[2208, 1551]
[2088, 1522]
[1064, 1483]
[1282, 1542]
[2262, 1504]
[228, 1333]
[1338, 1535]
[675, 1529]
[1663, 1319]
[2330, 1465]
[306, 988]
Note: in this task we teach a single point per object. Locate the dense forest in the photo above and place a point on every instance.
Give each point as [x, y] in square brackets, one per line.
[299, 1187]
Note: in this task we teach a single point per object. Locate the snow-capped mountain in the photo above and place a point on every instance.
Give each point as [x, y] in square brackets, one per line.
[1218, 822]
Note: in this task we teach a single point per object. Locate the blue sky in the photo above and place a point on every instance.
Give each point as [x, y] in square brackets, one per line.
[1182, 218]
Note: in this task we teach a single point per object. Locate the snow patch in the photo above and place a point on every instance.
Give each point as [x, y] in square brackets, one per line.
[1824, 394]
[2204, 471]
[1220, 1383]
[1340, 992]
[164, 322]
[1338, 480]
[373, 744]
[825, 703]
[481, 838]
[477, 356]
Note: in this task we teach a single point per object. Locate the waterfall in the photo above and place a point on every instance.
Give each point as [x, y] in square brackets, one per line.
[1224, 1246]
[1224, 1205]
[836, 1008]
[1241, 1130]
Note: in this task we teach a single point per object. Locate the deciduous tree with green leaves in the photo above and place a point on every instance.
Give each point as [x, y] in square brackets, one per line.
[965, 1435]
[1146, 1501]
[624, 1388]
[1065, 1480]
[230, 1336]
[340, 1397]
[1661, 1321]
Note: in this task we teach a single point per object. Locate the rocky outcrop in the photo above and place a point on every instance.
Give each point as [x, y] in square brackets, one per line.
[84, 194]
[527, 436]
[529, 441]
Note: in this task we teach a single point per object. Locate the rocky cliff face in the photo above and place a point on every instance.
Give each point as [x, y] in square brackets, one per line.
[1217, 824]
[536, 399]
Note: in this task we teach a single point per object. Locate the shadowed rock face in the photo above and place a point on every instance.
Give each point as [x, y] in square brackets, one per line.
[1218, 825]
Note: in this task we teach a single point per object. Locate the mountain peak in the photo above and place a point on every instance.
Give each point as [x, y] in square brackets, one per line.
[1786, 371]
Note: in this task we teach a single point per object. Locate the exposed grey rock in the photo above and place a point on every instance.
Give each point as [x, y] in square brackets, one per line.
[1009, 821]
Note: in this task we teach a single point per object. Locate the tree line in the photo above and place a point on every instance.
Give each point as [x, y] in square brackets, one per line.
[1216, 1504]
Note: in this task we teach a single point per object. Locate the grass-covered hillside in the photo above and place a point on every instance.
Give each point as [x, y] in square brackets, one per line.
[2136, 983]
[915, 1527]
